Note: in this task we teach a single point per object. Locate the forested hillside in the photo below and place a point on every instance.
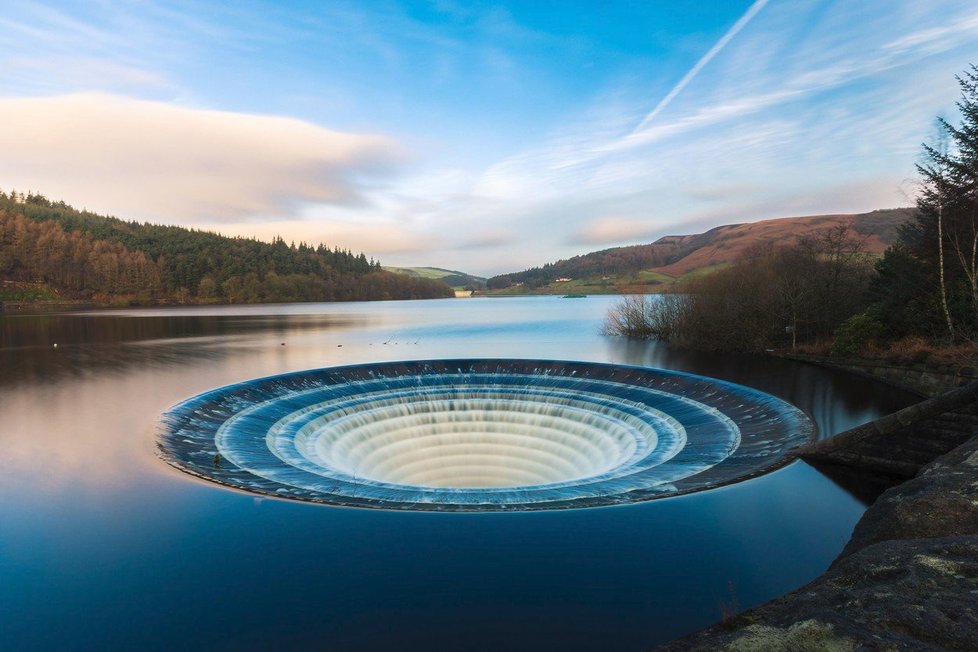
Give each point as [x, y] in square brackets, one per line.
[617, 260]
[81, 255]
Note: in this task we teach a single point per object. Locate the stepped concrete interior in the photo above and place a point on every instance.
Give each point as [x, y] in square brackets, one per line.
[481, 435]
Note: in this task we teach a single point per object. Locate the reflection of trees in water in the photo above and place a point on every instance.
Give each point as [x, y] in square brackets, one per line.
[106, 342]
[835, 400]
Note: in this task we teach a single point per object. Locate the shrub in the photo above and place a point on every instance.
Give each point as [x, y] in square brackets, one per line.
[855, 333]
[647, 316]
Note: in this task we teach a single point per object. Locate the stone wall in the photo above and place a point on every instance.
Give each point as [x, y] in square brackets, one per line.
[908, 578]
[900, 444]
[926, 380]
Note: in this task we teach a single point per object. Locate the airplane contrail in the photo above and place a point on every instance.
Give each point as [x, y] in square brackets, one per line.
[705, 59]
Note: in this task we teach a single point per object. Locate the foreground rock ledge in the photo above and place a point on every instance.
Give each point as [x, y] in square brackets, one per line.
[907, 580]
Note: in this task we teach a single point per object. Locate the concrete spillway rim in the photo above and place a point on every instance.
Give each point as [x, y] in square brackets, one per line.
[567, 370]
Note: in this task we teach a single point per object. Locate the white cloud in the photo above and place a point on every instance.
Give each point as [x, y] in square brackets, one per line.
[614, 230]
[937, 39]
[720, 191]
[150, 160]
[373, 238]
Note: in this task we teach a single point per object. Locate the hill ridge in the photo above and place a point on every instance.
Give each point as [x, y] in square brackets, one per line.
[675, 256]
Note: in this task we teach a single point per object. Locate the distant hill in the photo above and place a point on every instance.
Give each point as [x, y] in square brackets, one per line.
[457, 280]
[49, 249]
[636, 268]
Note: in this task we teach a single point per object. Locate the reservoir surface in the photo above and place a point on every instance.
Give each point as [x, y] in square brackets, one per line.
[103, 545]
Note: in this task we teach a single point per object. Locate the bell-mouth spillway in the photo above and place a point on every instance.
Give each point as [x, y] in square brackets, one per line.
[481, 435]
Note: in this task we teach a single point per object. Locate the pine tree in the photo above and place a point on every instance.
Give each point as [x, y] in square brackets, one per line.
[944, 237]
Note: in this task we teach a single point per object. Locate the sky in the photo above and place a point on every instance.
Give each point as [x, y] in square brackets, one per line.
[481, 136]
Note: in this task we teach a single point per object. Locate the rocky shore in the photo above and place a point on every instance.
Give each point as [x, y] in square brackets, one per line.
[908, 578]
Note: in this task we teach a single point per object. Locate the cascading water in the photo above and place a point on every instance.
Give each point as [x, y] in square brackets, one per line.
[480, 435]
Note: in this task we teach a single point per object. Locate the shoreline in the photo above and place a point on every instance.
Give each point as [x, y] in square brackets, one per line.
[904, 578]
[926, 380]
[82, 305]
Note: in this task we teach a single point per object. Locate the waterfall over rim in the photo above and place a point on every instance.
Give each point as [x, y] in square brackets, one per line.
[481, 435]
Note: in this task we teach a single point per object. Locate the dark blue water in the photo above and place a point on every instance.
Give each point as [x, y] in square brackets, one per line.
[104, 546]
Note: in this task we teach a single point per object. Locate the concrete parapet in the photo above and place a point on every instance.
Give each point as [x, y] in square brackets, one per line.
[900, 444]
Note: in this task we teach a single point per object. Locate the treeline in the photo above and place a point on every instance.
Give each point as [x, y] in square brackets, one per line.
[285, 288]
[928, 283]
[768, 298]
[826, 292]
[74, 262]
[77, 251]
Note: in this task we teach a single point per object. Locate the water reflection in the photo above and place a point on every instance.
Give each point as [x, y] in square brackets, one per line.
[103, 546]
[836, 401]
[81, 413]
[47, 347]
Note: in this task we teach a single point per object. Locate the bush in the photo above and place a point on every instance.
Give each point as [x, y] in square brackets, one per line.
[804, 291]
[647, 316]
[855, 333]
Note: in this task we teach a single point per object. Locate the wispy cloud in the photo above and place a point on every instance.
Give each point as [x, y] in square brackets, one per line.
[82, 72]
[704, 60]
[809, 109]
[613, 230]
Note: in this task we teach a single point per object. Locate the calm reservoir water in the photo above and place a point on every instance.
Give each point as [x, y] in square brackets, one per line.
[102, 546]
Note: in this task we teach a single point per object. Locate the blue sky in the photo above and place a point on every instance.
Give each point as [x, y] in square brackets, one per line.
[483, 136]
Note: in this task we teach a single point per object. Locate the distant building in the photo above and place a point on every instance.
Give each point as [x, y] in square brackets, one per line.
[563, 280]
